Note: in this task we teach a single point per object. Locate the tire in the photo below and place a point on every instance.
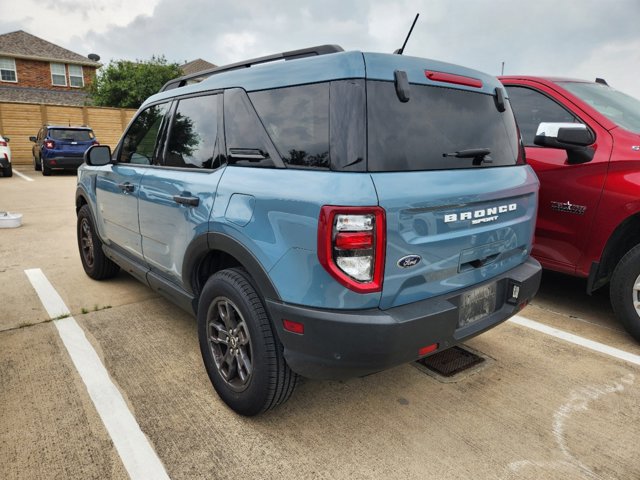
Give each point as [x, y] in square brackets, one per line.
[7, 171]
[241, 352]
[624, 291]
[37, 165]
[94, 261]
[46, 171]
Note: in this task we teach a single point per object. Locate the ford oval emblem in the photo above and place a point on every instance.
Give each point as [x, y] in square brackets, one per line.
[409, 261]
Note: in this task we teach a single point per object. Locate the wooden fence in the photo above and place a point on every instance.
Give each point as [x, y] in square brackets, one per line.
[19, 121]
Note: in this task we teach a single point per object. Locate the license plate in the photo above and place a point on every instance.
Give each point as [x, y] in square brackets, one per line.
[477, 304]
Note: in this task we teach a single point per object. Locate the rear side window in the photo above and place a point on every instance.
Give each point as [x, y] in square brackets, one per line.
[193, 133]
[297, 120]
[248, 144]
[436, 122]
[71, 135]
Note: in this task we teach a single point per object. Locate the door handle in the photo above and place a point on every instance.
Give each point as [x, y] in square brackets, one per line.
[126, 187]
[186, 200]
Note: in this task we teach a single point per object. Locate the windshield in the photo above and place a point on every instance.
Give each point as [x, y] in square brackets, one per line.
[71, 135]
[437, 129]
[618, 107]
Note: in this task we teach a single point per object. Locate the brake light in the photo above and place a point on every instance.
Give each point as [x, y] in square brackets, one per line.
[49, 143]
[452, 78]
[3, 143]
[95, 142]
[351, 246]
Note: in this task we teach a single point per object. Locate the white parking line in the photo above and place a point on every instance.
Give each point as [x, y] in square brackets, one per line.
[23, 176]
[575, 339]
[137, 454]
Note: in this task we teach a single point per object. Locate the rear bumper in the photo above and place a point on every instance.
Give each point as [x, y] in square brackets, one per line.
[347, 343]
[4, 163]
[66, 163]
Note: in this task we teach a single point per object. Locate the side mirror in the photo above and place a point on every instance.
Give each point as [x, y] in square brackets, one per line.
[32, 138]
[575, 138]
[98, 155]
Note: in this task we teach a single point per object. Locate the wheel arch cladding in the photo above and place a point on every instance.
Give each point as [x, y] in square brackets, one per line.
[212, 252]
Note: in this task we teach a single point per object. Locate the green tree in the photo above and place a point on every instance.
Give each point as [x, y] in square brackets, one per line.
[127, 84]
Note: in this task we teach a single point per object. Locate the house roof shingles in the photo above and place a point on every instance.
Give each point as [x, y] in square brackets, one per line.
[196, 66]
[42, 95]
[21, 44]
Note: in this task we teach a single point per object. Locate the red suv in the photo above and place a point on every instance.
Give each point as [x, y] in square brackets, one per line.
[583, 141]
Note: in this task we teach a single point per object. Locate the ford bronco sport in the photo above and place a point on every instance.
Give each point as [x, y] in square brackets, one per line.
[583, 140]
[331, 215]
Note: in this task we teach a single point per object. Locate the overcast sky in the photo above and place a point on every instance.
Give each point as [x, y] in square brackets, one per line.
[573, 38]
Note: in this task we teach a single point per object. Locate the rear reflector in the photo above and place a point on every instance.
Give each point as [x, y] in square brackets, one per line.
[294, 327]
[455, 79]
[428, 349]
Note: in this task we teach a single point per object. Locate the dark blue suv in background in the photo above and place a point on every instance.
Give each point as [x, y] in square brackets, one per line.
[329, 216]
[61, 147]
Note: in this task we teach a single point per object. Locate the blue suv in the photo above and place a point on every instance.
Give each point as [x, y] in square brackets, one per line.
[60, 147]
[331, 215]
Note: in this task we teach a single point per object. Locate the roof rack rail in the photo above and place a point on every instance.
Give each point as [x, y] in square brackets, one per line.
[292, 55]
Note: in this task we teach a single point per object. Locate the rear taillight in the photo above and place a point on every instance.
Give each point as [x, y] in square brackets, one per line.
[95, 142]
[351, 246]
[49, 143]
[3, 143]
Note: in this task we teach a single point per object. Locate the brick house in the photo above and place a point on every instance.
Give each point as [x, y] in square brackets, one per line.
[36, 71]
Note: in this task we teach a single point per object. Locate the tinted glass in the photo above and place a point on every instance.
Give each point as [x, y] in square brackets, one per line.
[247, 142]
[618, 107]
[531, 108]
[436, 122]
[140, 142]
[297, 120]
[193, 133]
[348, 125]
[70, 135]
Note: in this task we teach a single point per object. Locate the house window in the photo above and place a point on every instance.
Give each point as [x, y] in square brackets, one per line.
[75, 76]
[8, 70]
[58, 74]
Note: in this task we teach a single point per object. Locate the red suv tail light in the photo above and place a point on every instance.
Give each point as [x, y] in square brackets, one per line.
[351, 246]
[49, 144]
[3, 143]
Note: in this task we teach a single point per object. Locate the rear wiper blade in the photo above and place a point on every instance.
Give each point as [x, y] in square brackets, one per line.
[478, 155]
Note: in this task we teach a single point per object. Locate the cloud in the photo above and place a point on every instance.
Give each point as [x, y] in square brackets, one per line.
[568, 37]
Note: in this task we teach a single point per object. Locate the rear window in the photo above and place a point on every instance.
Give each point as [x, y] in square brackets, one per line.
[71, 135]
[436, 122]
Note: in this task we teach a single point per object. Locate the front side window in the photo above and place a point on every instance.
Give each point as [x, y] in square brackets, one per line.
[58, 74]
[297, 120]
[193, 133]
[76, 79]
[8, 70]
[426, 132]
[140, 144]
[532, 108]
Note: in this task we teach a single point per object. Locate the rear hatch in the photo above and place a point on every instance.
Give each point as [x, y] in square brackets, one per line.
[71, 142]
[448, 169]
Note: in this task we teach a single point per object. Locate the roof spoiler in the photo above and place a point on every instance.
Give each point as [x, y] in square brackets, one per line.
[292, 55]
